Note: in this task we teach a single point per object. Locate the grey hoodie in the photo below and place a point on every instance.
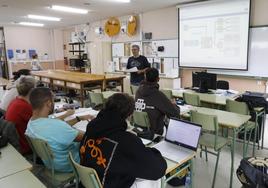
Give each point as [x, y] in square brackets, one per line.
[149, 99]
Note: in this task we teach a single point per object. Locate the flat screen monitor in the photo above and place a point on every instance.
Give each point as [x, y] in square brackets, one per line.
[204, 81]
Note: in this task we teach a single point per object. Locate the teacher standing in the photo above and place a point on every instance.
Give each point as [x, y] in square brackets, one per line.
[140, 62]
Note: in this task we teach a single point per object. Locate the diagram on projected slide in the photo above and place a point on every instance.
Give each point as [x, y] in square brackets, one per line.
[214, 37]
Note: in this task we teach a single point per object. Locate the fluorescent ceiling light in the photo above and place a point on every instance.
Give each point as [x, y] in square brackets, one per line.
[120, 1]
[69, 9]
[31, 24]
[37, 17]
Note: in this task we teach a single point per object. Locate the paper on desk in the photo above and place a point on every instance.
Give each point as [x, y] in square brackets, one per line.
[145, 141]
[78, 112]
[184, 108]
[134, 69]
[81, 126]
[82, 112]
[233, 91]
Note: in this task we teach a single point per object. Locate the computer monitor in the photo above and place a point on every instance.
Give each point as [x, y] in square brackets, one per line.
[204, 81]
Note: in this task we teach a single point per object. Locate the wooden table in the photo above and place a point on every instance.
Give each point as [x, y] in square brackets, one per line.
[12, 162]
[75, 80]
[4, 82]
[23, 179]
[228, 120]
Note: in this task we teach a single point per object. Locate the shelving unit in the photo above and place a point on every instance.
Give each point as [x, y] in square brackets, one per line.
[3, 58]
[77, 48]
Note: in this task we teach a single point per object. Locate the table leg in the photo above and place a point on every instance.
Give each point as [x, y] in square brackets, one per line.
[232, 157]
[263, 128]
[103, 85]
[122, 85]
[82, 95]
[244, 143]
[191, 173]
[163, 182]
[255, 133]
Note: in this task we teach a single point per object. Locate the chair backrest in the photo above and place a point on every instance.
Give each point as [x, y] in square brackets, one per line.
[191, 99]
[32, 147]
[96, 98]
[86, 175]
[237, 107]
[42, 149]
[168, 93]
[133, 89]
[222, 84]
[208, 122]
[141, 119]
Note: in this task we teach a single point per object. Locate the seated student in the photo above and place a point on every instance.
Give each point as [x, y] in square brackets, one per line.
[12, 92]
[118, 156]
[19, 110]
[149, 99]
[35, 64]
[61, 137]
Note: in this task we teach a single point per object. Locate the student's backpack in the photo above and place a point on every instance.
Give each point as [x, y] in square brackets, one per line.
[253, 172]
[3, 141]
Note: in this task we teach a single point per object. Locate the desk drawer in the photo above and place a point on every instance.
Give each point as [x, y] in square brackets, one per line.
[73, 85]
[58, 82]
[47, 80]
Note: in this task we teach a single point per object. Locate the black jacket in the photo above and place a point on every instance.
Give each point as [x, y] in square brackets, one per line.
[118, 156]
[8, 130]
[149, 99]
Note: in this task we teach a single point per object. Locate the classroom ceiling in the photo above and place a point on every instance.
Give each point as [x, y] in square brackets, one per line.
[14, 11]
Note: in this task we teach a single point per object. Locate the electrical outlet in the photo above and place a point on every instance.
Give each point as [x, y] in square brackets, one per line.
[259, 82]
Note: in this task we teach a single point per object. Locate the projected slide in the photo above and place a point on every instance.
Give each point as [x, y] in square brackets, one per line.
[214, 34]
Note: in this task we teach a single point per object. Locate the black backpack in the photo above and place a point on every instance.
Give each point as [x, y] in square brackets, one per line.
[3, 141]
[253, 172]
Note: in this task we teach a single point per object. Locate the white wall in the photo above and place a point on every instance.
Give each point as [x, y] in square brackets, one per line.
[163, 23]
[42, 40]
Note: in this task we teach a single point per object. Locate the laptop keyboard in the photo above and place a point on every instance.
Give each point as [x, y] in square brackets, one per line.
[172, 151]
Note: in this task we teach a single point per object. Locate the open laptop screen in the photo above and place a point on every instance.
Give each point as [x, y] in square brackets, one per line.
[183, 133]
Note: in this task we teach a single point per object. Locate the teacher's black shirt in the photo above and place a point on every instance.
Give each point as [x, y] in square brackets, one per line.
[141, 63]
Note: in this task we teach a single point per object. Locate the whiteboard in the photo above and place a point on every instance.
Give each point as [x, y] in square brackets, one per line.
[257, 57]
[118, 49]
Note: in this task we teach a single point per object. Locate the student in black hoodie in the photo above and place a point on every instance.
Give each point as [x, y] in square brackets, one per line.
[118, 156]
[149, 99]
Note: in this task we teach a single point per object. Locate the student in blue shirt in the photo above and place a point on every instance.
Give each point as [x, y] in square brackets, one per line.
[60, 136]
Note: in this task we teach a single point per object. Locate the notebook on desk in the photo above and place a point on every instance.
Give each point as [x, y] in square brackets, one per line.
[180, 141]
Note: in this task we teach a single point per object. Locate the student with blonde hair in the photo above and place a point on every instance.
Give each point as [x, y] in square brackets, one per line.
[19, 110]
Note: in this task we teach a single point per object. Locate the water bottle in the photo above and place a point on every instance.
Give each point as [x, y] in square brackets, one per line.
[188, 180]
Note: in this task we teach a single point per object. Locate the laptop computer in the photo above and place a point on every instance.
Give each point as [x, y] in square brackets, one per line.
[180, 141]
